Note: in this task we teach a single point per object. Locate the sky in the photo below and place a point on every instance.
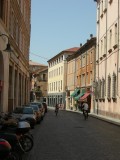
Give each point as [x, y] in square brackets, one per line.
[57, 25]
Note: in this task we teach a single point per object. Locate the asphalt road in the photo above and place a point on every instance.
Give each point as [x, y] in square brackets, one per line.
[69, 137]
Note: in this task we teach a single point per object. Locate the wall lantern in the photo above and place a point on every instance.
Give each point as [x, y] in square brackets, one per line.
[8, 48]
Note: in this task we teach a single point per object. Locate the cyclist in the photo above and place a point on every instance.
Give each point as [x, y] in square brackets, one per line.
[56, 109]
[85, 109]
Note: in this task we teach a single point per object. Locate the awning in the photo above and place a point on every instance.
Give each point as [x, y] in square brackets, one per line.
[85, 96]
[77, 97]
[75, 93]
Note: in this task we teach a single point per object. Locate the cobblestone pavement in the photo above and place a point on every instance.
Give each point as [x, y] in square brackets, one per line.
[69, 137]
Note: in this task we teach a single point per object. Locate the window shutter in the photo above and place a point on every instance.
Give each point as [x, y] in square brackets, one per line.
[100, 89]
[103, 88]
[114, 85]
[109, 88]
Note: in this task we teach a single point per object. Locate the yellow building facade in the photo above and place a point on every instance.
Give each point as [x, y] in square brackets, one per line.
[57, 77]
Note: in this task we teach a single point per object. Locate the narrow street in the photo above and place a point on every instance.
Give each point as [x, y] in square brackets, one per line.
[69, 137]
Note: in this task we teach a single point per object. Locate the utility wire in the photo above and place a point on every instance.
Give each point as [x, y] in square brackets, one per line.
[39, 56]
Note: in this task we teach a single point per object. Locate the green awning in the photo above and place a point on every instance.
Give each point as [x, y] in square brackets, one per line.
[75, 93]
[80, 95]
[77, 97]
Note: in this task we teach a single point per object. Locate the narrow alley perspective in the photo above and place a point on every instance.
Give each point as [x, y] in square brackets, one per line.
[69, 137]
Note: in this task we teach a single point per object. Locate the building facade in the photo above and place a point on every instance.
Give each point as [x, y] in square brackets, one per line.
[57, 77]
[14, 66]
[81, 75]
[107, 86]
[39, 81]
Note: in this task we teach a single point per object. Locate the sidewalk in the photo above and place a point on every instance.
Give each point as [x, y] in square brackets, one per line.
[109, 120]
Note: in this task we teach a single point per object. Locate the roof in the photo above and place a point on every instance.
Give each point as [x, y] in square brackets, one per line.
[74, 49]
[35, 64]
[71, 49]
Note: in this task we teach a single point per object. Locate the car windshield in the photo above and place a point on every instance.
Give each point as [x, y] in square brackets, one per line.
[28, 110]
[35, 107]
[18, 110]
[37, 103]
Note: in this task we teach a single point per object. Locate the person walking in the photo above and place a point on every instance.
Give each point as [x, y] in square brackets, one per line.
[56, 109]
[85, 110]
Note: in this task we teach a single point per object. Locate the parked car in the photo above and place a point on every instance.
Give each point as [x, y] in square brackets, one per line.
[25, 113]
[45, 106]
[29, 115]
[41, 107]
[38, 112]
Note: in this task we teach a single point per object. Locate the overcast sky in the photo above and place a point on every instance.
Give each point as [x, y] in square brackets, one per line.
[57, 25]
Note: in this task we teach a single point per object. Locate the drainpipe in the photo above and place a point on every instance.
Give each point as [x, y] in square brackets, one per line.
[106, 55]
[98, 60]
[118, 52]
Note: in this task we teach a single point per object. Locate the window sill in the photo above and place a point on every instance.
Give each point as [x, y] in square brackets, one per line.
[110, 50]
[104, 55]
[114, 99]
[105, 10]
[101, 15]
[109, 99]
[115, 46]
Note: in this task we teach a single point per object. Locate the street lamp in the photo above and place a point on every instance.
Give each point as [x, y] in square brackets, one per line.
[8, 48]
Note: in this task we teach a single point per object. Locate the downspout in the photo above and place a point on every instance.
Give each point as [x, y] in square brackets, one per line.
[118, 52]
[98, 59]
[106, 55]
[86, 71]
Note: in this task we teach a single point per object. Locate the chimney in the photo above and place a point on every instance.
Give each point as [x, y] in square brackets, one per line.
[87, 40]
[80, 44]
[91, 35]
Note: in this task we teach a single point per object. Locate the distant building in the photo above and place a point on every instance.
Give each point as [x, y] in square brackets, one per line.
[15, 19]
[81, 75]
[57, 72]
[39, 81]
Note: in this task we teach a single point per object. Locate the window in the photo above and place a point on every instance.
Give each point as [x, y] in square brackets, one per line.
[104, 5]
[110, 42]
[109, 88]
[96, 90]
[101, 9]
[114, 85]
[103, 88]
[61, 70]
[1, 9]
[100, 89]
[116, 33]
[44, 77]
[83, 80]
[105, 45]
[101, 47]
[61, 84]
[56, 86]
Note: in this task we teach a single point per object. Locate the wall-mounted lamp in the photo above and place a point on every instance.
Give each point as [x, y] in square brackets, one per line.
[8, 48]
